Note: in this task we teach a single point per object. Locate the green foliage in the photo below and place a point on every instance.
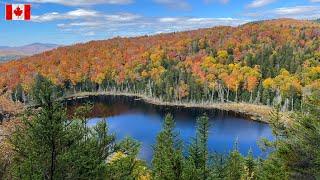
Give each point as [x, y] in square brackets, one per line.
[300, 149]
[296, 151]
[272, 168]
[249, 167]
[155, 66]
[218, 166]
[167, 159]
[48, 145]
[234, 165]
[44, 92]
[18, 94]
[123, 164]
[197, 163]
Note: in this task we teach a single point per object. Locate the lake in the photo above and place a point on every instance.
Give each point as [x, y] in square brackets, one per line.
[128, 116]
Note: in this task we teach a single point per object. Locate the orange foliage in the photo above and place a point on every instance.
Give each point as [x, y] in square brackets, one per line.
[122, 59]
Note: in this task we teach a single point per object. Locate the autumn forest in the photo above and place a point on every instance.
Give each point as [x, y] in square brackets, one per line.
[267, 62]
[272, 66]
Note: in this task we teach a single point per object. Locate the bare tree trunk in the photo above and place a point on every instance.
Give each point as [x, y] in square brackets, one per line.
[221, 93]
[228, 94]
[292, 106]
[236, 100]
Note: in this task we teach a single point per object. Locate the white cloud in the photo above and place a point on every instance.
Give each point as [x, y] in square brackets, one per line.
[143, 25]
[175, 4]
[90, 33]
[81, 2]
[169, 20]
[121, 17]
[76, 14]
[260, 3]
[95, 23]
[147, 26]
[314, 0]
[297, 12]
[79, 24]
[84, 14]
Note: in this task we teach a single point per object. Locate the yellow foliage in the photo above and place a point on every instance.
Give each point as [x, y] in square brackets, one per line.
[285, 82]
[144, 74]
[156, 57]
[212, 85]
[268, 83]
[145, 55]
[208, 62]
[284, 72]
[116, 156]
[140, 171]
[99, 78]
[202, 43]
[222, 54]
[156, 73]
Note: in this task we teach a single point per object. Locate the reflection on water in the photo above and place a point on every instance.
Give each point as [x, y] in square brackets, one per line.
[129, 117]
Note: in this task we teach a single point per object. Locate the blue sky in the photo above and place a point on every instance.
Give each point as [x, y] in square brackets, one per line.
[72, 21]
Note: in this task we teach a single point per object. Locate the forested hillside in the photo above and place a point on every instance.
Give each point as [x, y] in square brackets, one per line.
[261, 62]
[8, 53]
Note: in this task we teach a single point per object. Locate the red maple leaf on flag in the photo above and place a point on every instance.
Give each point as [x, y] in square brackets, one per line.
[17, 11]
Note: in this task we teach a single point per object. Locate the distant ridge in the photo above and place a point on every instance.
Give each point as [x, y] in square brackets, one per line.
[11, 53]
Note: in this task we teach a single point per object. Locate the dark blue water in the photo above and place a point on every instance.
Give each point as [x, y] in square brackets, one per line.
[142, 121]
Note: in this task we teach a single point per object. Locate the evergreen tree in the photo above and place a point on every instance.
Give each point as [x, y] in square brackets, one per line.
[167, 159]
[42, 139]
[218, 163]
[234, 165]
[295, 152]
[197, 164]
[298, 146]
[49, 145]
[249, 167]
[272, 168]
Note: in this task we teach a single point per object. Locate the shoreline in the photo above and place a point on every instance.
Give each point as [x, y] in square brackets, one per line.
[253, 112]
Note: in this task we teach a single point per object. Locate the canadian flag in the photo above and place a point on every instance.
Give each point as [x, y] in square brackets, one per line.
[18, 12]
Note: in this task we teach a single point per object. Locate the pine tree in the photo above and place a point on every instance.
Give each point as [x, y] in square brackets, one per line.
[167, 159]
[41, 140]
[234, 166]
[272, 168]
[218, 163]
[299, 150]
[249, 167]
[296, 151]
[49, 145]
[197, 164]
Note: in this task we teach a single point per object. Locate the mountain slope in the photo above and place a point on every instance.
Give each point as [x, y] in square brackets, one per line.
[9, 53]
[248, 61]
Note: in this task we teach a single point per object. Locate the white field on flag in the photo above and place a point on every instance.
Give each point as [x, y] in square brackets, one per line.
[17, 11]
